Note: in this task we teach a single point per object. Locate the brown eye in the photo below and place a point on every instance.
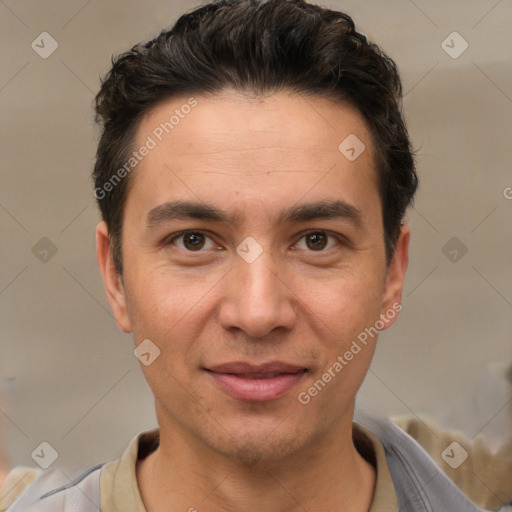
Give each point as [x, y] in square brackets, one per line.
[316, 241]
[191, 241]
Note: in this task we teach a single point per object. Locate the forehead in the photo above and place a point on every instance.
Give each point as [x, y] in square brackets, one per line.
[246, 122]
[227, 145]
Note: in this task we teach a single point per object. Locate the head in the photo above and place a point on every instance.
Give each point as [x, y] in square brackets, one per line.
[275, 118]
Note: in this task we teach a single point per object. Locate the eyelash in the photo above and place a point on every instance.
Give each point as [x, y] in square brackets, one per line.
[339, 238]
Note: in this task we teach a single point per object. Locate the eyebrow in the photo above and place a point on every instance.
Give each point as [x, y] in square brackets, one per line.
[181, 210]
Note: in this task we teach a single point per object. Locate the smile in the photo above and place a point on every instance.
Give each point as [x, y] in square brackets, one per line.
[258, 384]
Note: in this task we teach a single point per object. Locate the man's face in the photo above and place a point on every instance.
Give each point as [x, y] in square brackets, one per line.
[254, 288]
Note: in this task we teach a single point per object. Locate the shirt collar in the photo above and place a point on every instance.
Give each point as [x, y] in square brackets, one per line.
[119, 491]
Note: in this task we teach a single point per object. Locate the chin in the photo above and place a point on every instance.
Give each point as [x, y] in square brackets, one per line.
[258, 453]
[256, 445]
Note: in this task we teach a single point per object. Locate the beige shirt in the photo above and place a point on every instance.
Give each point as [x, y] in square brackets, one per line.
[119, 491]
[486, 477]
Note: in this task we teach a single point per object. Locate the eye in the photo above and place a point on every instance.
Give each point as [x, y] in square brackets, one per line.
[192, 241]
[196, 241]
[317, 241]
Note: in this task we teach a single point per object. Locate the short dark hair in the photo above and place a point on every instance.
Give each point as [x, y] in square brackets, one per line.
[255, 47]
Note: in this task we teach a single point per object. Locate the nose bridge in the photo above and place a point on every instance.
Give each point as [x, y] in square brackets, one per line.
[259, 278]
[257, 300]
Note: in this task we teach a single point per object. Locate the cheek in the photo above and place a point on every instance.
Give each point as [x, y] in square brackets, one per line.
[344, 319]
[156, 303]
[169, 312]
[343, 304]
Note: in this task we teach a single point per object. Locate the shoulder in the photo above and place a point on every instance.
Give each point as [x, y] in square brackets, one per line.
[47, 491]
[52, 490]
[16, 481]
[419, 483]
[483, 475]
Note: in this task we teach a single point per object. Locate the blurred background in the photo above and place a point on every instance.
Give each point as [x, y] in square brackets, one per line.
[68, 377]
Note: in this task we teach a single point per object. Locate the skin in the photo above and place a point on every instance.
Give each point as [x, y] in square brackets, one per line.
[297, 302]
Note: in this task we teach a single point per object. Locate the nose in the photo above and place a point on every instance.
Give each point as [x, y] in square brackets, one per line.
[257, 298]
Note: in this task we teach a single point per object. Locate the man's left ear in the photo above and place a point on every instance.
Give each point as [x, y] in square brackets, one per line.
[392, 300]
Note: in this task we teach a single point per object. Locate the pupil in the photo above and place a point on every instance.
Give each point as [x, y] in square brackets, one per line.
[317, 238]
[192, 239]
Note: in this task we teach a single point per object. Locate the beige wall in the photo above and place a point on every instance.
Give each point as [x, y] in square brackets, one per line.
[69, 377]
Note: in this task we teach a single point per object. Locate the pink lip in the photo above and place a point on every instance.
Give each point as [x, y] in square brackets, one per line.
[258, 383]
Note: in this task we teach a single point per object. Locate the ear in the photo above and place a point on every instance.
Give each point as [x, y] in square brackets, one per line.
[392, 300]
[111, 278]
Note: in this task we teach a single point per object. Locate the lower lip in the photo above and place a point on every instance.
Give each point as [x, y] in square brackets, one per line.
[257, 390]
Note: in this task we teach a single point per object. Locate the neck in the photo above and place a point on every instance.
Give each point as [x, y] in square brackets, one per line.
[327, 475]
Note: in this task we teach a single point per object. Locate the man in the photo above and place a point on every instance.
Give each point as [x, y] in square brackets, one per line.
[253, 174]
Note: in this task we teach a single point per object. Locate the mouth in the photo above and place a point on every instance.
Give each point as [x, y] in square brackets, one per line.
[256, 383]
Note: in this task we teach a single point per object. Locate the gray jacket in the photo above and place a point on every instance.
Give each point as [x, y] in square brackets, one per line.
[420, 484]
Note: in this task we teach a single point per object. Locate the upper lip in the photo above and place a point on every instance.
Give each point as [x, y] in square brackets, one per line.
[245, 368]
